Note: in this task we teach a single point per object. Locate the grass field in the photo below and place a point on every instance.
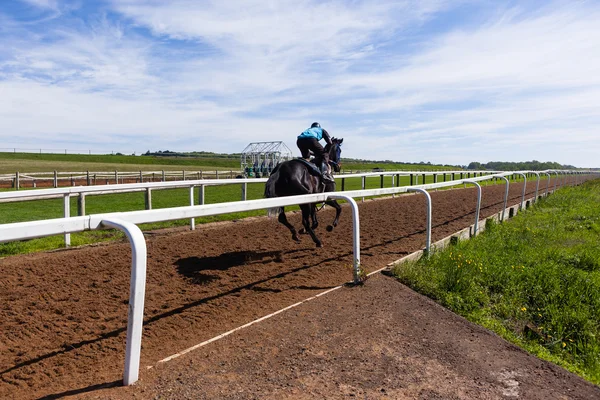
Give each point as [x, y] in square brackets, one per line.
[534, 280]
[32, 162]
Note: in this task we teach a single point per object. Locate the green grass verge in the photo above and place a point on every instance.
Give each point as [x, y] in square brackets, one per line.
[534, 280]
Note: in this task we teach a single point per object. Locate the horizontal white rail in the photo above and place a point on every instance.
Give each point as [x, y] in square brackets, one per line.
[134, 187]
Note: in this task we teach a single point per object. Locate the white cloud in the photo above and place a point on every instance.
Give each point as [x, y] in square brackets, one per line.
[516, 85]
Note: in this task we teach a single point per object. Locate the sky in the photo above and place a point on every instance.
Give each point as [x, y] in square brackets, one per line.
[440, 81]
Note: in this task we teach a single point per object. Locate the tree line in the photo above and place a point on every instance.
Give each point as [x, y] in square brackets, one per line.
[518, 166]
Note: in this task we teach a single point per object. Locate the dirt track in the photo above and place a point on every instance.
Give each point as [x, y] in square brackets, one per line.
[64, 313]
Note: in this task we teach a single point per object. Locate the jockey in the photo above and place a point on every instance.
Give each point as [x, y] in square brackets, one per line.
[309, 141]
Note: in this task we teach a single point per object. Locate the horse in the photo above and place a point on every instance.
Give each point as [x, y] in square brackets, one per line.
[298, 176]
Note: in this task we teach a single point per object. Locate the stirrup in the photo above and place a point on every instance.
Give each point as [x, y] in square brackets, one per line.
[327, 177]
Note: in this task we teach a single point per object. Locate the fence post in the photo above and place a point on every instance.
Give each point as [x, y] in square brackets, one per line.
[141, 177]
[183, 174]
[55, 179]
[364, 178]
[81, 205]
[163, 175]
[244, 190]
[192, 220]
[17, 181]
[343, 184]
[116, 177]
[87, 177]
[411, 180]
[148, 199]
[424, 179]
[201, 194]
[67, 214]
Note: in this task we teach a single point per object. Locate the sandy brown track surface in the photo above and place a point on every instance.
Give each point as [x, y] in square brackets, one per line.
[63, 316]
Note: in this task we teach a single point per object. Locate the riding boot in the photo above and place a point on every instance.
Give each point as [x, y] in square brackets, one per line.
[325, 173]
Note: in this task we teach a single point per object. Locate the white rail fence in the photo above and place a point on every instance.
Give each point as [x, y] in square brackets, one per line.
[56, 179]
[81, 192]
[128, 221]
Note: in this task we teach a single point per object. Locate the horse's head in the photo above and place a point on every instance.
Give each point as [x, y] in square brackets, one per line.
[335, 153]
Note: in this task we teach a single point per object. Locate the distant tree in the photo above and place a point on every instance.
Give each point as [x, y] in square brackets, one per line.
[475, 166]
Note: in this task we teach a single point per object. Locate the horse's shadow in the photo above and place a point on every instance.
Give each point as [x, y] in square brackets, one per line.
[193, 268]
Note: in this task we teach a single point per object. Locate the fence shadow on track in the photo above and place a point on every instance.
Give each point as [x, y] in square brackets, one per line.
[66, 348]
[88, 389]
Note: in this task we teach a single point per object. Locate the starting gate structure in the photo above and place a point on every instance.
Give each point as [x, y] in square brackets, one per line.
[259, 158]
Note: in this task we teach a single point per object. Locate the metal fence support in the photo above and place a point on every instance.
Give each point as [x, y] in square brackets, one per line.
[148, 199]
[364, 179]
[245, 191]
[81, 205]
[524, 187]
[137, 290]
[547, 183]
[476, 226]
[537, 186]
[428, 218]
[67, 214]
[201, 194]
[355, 233]
[192, 220]
[505, 194]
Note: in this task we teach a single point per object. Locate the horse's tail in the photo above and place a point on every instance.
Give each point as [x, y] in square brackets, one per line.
[270, 193]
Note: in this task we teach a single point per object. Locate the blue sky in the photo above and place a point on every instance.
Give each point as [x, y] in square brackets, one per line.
[430, 80]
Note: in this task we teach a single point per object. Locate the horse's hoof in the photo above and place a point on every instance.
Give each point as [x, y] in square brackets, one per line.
[296, 238]
[302, 231]
[319, 244]
[329, 228]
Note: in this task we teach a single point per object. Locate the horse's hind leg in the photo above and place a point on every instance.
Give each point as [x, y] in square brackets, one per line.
[338, 211]
[313, 217]
[283, 219]
[306, 211]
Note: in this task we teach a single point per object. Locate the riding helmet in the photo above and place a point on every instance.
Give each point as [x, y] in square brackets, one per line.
[315, 125]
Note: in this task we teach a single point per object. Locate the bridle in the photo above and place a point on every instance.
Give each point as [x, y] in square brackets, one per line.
[335, 164]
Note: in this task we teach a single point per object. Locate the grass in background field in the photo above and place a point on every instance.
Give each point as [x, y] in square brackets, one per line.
[33, 162]
[534, 280]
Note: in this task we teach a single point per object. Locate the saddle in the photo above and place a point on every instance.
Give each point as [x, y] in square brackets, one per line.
[312, 168]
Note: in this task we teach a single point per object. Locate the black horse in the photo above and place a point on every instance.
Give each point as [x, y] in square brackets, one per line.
[296, 177]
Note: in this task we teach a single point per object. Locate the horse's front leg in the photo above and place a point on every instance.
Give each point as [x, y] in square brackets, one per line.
[338, 211]
[283, 219]
[306, 213]
[313, 216]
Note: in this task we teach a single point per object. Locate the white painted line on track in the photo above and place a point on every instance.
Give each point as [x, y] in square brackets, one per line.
[221, 336]
[244, 326]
